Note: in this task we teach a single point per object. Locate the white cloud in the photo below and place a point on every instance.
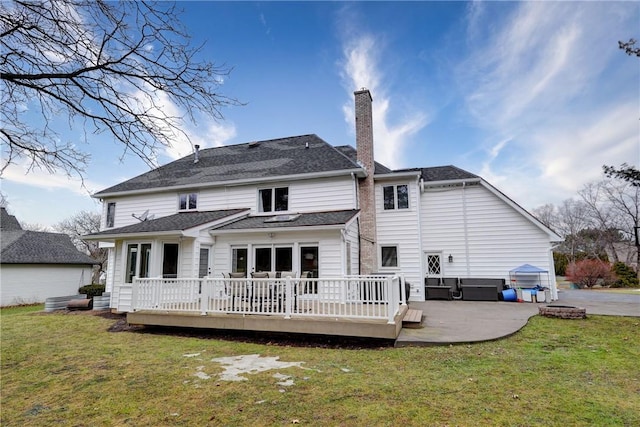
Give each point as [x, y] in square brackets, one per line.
[360, 69]
[544, 81]
[19, 173]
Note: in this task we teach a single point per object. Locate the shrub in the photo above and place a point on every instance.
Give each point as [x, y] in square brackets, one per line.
[560, 261]
[590, 272]
[94, 290]
[625, 276]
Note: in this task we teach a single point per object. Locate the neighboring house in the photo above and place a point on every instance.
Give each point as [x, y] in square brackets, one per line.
[301, 204]
[36, 265]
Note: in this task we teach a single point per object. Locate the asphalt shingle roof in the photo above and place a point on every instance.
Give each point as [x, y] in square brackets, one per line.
[8, 222]
[177, 222]
[311, 219]
[441, 173]
[261, 159]
[352, 154]
[35, 247]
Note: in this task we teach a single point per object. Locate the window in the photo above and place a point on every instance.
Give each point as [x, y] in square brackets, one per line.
[309, 260]
[188, 201]
[396, 197]
[389, 256]
[433, 265]
[170, 261]
[138, 255]
[239, 260]
[273, 199]
[111, 214]
[266, 258]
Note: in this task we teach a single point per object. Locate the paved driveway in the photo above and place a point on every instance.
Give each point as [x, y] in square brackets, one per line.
[455, 322]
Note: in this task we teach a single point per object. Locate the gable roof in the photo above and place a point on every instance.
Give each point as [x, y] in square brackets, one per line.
[441, 173]
[311, 219]
[169, 224]
[260, 160]
[35, 247]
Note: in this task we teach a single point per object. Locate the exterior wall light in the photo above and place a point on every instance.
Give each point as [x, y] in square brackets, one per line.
[450, 258]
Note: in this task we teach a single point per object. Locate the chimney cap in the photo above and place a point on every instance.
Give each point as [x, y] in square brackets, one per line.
[362, 91]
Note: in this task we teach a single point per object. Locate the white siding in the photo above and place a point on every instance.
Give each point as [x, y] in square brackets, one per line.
[400, 227]
[25, 284]
[310, 195]
[485, 236]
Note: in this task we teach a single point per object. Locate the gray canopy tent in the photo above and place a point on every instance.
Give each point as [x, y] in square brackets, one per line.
[528, 276]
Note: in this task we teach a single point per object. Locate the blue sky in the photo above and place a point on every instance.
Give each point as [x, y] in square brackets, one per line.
[535, 97]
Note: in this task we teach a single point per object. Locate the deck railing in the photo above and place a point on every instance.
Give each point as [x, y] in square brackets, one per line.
[368, 297]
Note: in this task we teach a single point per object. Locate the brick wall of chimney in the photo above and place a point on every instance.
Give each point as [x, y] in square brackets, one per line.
[366, 190]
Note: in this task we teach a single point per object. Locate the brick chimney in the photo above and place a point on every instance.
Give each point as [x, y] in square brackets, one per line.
[366, 190]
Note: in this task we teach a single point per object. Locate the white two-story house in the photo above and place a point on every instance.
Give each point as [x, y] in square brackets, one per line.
[299, 204]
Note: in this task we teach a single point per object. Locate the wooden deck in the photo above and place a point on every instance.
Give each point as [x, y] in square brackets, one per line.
[339, 326]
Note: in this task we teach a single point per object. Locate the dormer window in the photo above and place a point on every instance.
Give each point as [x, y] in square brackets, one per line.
[273, 199]
[396, 197]
[188, 201]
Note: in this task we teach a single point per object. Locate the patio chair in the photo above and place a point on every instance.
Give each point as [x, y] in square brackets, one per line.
[261, 291]
[236, 288]
[435, 288]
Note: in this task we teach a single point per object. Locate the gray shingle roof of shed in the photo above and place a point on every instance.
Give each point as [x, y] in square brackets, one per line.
[311, 219]
[256, 160]
[177, 222]
[34, 247]
[8, 222]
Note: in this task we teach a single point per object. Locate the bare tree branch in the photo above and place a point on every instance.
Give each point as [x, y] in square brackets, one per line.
[123, 68]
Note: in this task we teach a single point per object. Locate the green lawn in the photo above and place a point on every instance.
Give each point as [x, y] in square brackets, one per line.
[67, 369]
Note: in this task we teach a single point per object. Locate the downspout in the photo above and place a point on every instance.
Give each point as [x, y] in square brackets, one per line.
[420, 183]
[552, 270]
[466, 229]
[357, 205]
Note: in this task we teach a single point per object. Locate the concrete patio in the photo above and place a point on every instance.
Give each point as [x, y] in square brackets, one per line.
[457, 322]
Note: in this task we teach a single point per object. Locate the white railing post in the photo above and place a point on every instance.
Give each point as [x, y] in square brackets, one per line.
[134, 294]
[204, 296]
[403, 298]
[392, 301]
[288, 297]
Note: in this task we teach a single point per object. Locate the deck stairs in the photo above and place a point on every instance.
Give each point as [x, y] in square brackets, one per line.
[412, 317]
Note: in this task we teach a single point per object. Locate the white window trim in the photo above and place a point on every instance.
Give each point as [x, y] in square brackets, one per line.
[388, 268]
[273, 201]
[395, 197]
[188, 194]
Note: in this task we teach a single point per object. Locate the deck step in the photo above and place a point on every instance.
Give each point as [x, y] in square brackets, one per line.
[412, 316]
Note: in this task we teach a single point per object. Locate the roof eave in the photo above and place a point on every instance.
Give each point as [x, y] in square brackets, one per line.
[279, 229]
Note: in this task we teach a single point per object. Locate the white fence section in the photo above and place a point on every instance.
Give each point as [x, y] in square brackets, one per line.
[367, 297]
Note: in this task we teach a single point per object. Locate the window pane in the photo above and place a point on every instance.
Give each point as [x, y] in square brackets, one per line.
[170, 261]
[203, 264]
[239, 260]
[265, 200]
[284, 259]
[132, 259]
[111, 214]
[263, 259]
[389, 256]
[193, 201]
[145, 256]
[183, 202]
[309, 260]
[433, 264]
[282, 199]
[403, 196]
[389, 202]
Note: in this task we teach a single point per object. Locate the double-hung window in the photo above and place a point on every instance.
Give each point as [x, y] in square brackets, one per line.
[273, 199]
[396, 197]
[188, 201]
